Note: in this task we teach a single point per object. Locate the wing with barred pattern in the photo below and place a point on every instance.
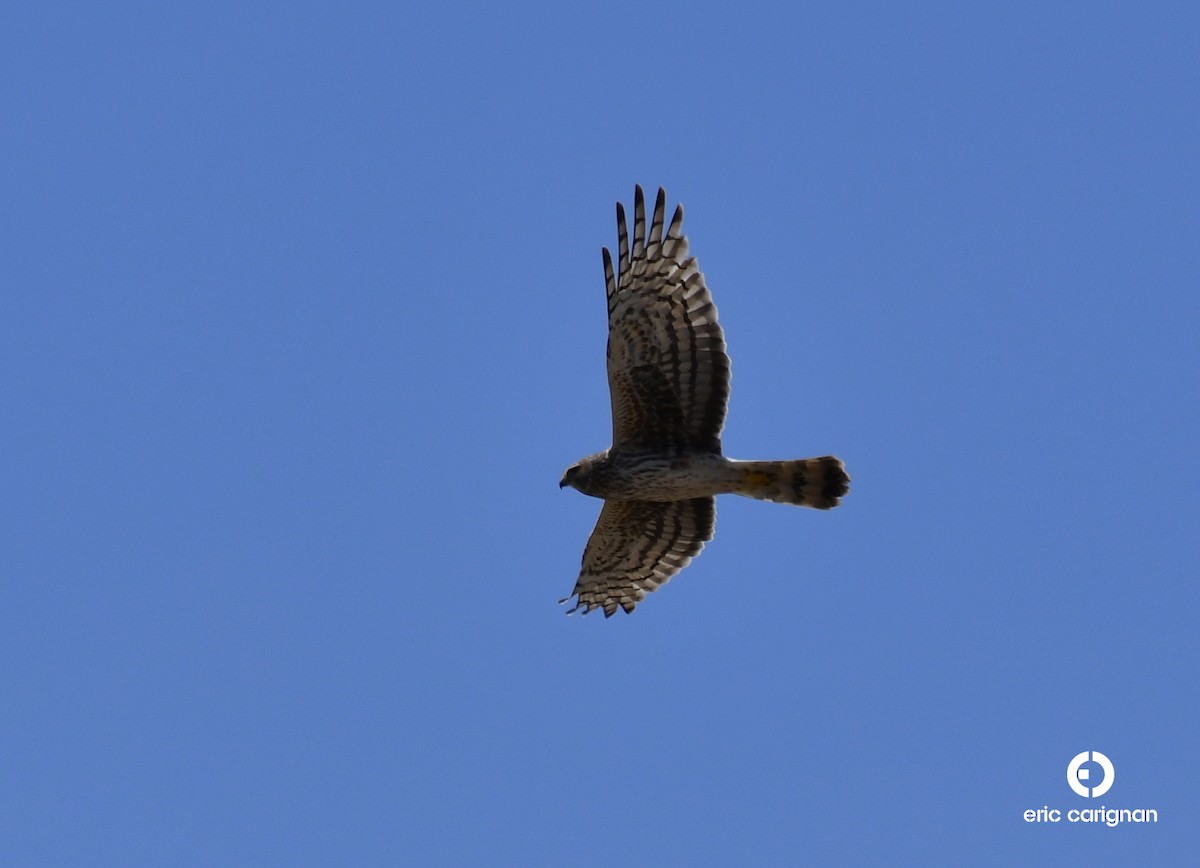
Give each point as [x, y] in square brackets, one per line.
[668, 372]
[636, 547]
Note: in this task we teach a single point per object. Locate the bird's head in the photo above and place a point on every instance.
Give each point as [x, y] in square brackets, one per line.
[579, 475]
[569, 476]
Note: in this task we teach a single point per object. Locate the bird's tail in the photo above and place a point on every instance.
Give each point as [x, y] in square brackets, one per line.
[815, 482]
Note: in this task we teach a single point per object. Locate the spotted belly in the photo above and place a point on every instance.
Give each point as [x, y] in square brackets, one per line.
[666, 478]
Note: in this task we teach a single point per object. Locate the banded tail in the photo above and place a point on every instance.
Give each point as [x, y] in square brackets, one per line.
[815, 482]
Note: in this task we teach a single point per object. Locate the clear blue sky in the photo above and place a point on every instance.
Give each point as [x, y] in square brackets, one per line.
[304, 317]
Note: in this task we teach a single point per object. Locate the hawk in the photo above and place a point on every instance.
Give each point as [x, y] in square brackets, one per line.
[668, 376]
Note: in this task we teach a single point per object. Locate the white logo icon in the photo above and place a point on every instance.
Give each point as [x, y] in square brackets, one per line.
[1079, 777]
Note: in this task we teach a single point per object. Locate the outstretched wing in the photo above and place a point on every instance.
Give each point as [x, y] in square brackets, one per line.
[668, 372]
[637, 546]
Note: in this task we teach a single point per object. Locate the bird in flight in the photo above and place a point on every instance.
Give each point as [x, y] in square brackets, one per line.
[668, 376]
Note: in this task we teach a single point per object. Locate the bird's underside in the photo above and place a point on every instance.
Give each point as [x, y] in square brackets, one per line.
[668, 377]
